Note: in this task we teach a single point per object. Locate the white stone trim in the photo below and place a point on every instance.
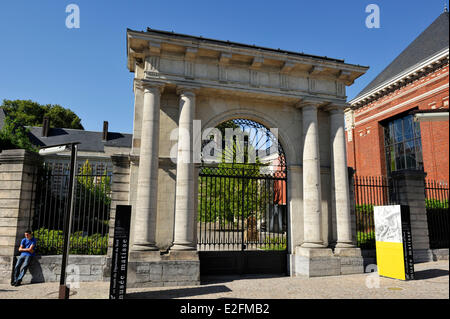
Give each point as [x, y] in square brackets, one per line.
[442, 87]
[405, 74]
[408, 91]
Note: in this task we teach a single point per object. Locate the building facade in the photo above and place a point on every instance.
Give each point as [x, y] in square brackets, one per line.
[181, 78]
[382, 136]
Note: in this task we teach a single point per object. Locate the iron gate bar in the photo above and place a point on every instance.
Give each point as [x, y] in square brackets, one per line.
[437, 198]
[242, 187]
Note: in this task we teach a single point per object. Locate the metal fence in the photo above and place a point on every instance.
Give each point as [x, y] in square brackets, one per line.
[437, 197]
[242, 208]
[370, 191]
[92, 198]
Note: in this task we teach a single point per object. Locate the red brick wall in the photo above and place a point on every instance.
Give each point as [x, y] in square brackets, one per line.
[429, 92]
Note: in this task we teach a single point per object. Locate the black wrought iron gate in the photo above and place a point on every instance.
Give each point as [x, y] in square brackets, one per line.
[242, 219]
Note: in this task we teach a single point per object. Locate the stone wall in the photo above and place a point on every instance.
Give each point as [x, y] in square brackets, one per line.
[79, 269]
[17, 170]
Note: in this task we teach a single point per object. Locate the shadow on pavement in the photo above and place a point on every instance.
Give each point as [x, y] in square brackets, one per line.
[208, 280]
[178, 293]
[430, 273]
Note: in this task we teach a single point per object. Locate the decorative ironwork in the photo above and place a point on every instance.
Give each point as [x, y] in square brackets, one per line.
[242, 205]
[90, 224]
[437, 197]
[370, 191]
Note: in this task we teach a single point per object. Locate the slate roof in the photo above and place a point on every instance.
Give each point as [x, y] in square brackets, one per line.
[434, 39]
[90, 141]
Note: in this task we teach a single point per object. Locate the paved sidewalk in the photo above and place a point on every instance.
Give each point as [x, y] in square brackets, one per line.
[432, 282]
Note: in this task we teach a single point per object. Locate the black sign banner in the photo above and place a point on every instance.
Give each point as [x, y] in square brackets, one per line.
[119, 262]
[407, 243]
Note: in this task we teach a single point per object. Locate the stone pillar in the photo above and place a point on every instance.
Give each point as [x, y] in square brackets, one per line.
[339, 179]
[184, 200]
[18, 169]
[147, 190]
[311, 180]
[409, 187]
[312, 258]
[120, 192]
[295, 211]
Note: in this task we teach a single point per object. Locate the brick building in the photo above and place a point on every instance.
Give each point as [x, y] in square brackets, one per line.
[381, 133]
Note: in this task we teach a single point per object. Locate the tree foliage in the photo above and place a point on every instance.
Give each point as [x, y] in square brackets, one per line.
[230, 190]
[14, 135]
[29, 113]
[23, 113]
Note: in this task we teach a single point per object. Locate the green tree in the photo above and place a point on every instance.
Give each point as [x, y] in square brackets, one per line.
[14, 135]
[92, 201]
[229, 190]
[23, 113]
[29, 113]
[100, 185]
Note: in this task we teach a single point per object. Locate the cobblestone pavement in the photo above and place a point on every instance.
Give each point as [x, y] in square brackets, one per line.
[432, 282]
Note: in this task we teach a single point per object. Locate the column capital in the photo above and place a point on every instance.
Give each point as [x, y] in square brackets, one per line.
[310, 103]
[187, 90]
[154, 87]
[336, 108]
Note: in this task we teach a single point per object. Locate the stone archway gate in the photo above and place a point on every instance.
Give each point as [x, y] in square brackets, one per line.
[183, 83]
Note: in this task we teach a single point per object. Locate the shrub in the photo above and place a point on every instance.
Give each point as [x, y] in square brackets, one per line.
[51, 242]
[274, 244]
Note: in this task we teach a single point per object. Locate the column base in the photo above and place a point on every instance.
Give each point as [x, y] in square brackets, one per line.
[144, 247]
[313, 245]
[345, 245]
[315, 262]
[187, 246]
[320, 262]
[153, 269]
[351, 260]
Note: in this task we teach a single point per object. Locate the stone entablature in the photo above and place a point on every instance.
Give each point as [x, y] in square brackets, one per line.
[180, 79]
[218, 64]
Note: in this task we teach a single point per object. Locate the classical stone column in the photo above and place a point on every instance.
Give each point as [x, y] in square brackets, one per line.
[184, 199]
[147, 190]
[339, 178]
[311, 179]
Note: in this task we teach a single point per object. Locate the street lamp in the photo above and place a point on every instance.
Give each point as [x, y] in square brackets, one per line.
[54, 149]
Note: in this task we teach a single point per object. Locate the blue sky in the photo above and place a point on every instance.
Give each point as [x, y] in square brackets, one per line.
[85, 69]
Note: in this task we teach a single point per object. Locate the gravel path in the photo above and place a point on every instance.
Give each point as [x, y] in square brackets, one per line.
[432, 282]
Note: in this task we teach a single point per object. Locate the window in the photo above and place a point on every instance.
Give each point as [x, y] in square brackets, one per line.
[402, 143]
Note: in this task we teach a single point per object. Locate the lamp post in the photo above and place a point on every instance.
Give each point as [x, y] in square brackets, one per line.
[63, 289]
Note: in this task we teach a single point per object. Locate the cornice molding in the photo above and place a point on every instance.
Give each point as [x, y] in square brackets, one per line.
[407, 76]
[350, 71]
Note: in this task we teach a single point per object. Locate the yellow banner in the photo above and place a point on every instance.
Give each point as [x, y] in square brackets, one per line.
[390, 260]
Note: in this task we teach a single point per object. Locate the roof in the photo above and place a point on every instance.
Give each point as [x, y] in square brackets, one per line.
[237, 44]
[431, 41]
[90, 141]
[200, 39]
